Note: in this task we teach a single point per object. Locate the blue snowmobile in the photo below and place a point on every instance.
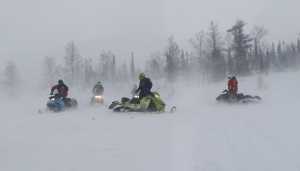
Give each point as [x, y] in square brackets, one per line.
[57, 103]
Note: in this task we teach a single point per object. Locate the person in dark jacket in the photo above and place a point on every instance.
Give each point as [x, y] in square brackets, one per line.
[98, 89]
[62, 89]
[145, 86]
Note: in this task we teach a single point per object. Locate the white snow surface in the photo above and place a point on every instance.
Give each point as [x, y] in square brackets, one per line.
[201, 136]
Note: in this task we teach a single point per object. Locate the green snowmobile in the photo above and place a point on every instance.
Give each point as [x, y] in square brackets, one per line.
[150, 103]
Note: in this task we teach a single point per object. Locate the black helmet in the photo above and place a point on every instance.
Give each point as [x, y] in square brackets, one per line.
[231, 77]
[60, 81]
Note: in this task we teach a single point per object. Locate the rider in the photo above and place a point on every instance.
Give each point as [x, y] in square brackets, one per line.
[232, 85]
[61, 88]
[98, 88]
[145, 86]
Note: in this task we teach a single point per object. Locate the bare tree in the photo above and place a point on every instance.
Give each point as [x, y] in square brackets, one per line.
[72, 63]
[172, 55]
[198, 43]
[132, 67]
[107, 66]
[298, 51]
[258, 33]
[11, 77]
[123, 73]
[89, 73]
[216, 58]
[155, 66]
[49, 74]
[230, 67]
[298, 45]
[199, 56]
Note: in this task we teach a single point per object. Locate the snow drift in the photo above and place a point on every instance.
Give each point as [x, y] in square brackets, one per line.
[201, 136]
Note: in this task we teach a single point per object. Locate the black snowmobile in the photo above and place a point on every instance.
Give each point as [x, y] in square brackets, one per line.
[226, 97]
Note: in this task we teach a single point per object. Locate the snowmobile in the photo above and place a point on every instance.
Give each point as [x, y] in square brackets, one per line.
[239, 98]
[97, 100]
[150, 103]
[57, 103]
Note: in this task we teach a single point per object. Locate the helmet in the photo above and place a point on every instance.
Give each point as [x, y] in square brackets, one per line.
[60, 81]
[141, 76]
[231, 77]
[99, 82]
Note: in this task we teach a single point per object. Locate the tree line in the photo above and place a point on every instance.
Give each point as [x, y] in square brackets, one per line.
[214, 54]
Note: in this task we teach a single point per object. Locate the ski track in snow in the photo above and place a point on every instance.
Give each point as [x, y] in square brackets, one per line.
[201, 136]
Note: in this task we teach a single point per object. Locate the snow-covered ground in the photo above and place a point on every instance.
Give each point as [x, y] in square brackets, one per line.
[201, 136]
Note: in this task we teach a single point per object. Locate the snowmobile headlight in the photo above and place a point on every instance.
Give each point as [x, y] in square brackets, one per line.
[98, 97]
[136, 96]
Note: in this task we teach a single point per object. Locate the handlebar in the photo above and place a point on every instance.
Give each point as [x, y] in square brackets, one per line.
[225, 91]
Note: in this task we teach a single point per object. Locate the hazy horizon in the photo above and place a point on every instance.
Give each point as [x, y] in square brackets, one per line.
[187, 123]
[34, 29]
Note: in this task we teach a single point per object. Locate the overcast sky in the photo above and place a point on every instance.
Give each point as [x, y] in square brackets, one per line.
[37, 28]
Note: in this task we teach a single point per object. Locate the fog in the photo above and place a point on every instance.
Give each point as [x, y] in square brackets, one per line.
[83, 42]
[34, 29]
[201, 135]
[188, 17]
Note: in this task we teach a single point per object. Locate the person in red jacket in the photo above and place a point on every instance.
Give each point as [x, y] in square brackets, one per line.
[232, 85]
[61, 88]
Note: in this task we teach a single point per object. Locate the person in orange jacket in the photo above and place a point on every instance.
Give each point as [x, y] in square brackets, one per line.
[232, 85]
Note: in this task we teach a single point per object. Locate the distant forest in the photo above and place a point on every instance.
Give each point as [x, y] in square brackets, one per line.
[215, 54]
